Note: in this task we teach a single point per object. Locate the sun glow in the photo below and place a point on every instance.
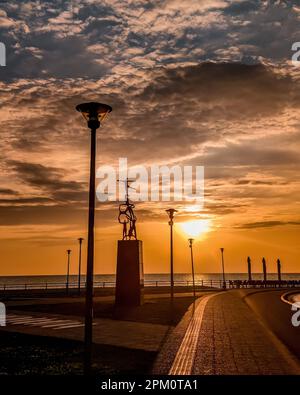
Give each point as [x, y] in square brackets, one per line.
[195, 228]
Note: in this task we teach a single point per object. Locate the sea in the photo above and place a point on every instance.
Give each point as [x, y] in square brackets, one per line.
[158, 279]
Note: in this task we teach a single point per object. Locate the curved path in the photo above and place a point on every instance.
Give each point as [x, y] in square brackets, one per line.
[276, 315]
[222, 335]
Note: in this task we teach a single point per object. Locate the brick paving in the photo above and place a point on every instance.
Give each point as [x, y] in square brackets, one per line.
[232, 341]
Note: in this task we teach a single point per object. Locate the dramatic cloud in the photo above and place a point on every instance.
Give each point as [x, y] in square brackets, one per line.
[43, 177]
[267, 224]
[191, 83]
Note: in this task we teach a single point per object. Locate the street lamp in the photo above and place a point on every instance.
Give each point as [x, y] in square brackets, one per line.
[79, 263]
[264, 270]
[223, 269]
[93, 113]
[68, 270]
[192, 261]
[249, 269]
[171, 212]
[279, 269]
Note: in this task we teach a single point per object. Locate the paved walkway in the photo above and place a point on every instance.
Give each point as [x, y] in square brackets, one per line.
[55, 323]
[106, 298]
[135, 335]
[224, 336]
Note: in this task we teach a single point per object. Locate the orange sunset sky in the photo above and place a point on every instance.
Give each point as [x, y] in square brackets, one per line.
[207, 83]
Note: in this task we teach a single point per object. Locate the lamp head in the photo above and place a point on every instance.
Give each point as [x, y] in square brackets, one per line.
[171, 212]
[191, 242]
[69, 252]
[93, 113]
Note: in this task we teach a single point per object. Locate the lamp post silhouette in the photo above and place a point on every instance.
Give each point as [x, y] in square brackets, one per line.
[171, 212]
[93, 113]
[223, 267]
[279, 269]
[264, 270]
[68, 270]
[192, 262]
[249, 269]
[79, 263]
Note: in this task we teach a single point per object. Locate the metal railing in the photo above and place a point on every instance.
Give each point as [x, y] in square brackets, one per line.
[105, 284]
[155, 283]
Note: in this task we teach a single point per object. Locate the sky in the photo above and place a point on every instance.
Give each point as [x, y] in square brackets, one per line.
[203, 83]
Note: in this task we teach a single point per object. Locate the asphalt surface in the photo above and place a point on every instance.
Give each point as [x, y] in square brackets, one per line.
[275, 314]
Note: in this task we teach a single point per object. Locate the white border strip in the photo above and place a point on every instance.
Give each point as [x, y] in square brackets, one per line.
[284, 297]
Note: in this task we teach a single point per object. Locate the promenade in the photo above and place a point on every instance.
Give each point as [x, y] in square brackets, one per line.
[223, 336]
[142, 328]
[221, 333]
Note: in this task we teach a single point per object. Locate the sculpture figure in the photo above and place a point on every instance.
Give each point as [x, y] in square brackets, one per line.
[127, 217]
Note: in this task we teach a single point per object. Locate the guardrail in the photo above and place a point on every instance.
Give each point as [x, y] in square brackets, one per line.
[156, 283]
[106, 284]
[263, 284]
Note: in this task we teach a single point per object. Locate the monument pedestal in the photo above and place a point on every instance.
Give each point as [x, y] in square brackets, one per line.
[130, 273]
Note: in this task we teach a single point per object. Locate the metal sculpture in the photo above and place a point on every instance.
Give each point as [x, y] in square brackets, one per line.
[126, 215]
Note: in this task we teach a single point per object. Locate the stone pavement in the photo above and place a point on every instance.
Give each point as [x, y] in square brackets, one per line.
[225, 337]
[106, 298]
[129, 334]
[134, 335]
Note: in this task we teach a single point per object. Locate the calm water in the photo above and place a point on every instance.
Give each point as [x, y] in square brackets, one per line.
[149, 278]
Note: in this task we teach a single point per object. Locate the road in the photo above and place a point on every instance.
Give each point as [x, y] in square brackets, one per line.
[276, 315]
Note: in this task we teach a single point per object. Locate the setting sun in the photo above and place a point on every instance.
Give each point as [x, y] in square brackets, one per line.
[195, 228]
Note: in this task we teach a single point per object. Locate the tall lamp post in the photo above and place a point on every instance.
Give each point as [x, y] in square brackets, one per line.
[79, 263]
[68, 270]
[279, 269]
[264, 270]
[93, 113]
[192, 261]
[171, 212]
[223, 267]
[249, 269]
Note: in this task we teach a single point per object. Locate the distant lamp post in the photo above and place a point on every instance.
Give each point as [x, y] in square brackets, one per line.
[79, 263]
[68, 270]
[249, 269]
[279, 269]
[93, 113]
[264, 270]
[171, 212]
[192, 262]
[223, 267]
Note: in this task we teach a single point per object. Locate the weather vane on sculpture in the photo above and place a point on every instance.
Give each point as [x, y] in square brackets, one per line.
[126, 215]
